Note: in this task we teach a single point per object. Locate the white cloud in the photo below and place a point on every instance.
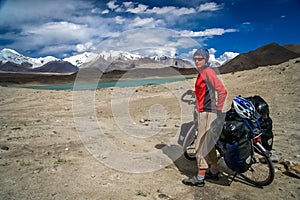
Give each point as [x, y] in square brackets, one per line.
[171, 10]
[139, 9]
[135, 8]
[58, 32]
[78, 25]
[182, 42]
[145, 22]
[143, 38]
[106, 11]
[210, 6]
[65, 36]
[184, 11]
[246, 23]
[225, 57]
[62, 48]
[112, 5]
[142, 22]
[206, 33]
[161, 11]
[18, 12]
[99, 11]
[150, 42]
[127, 4]
[84, 47]
[119, 20]
[212, 51]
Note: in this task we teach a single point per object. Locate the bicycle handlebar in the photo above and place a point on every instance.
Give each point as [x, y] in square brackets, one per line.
[188, 93]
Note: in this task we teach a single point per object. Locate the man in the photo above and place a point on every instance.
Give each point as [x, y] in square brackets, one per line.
[209, 107]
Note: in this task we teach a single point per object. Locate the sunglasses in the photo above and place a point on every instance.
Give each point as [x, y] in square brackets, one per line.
[198, 59]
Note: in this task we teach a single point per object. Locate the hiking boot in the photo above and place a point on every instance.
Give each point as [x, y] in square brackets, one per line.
[194, 181]
[212, 176]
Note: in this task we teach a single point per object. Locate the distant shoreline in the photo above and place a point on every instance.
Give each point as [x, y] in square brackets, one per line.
[103, 83]
[91, 75]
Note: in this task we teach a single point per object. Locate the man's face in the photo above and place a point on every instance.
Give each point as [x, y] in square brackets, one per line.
[199, 61]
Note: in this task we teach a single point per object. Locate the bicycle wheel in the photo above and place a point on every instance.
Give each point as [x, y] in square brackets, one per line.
[261, 172]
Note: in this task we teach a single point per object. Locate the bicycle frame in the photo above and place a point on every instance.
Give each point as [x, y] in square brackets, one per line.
[256, 137]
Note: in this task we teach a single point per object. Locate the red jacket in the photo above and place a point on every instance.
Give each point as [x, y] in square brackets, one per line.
[206, 86]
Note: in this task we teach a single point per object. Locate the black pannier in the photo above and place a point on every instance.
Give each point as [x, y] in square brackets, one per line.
[265, 121]
[187, 134]
[238, 147]
[267, 135]
[232, 131]
[260, 105]
[238, 155]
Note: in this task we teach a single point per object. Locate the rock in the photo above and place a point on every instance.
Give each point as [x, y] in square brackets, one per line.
[287, 164]
[164, 196]
[276, 156]
[292, 168]
[5, 148]
[66, 108]
[162, 125]
[145, 122]
[295, 171]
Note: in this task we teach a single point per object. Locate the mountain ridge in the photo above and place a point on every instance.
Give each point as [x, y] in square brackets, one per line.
[105, 61]
[12, 61]
[269, 54]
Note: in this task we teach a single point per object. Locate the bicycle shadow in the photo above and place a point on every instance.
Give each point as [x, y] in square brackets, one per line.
[185, 166]
[188, 167]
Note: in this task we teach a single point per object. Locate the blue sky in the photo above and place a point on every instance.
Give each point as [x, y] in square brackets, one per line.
[62, 28]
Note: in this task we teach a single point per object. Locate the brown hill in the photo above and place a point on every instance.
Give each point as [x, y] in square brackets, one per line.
[293, 47]
[270, 54]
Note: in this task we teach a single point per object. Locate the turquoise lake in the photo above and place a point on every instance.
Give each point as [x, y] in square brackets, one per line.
[120, 83]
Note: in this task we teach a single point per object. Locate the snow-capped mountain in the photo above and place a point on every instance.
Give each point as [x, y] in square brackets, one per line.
[159, 58]
[10, 55]
[105, 61]
[107, 57]
[80, 59]
[113, 55]
[12, 61]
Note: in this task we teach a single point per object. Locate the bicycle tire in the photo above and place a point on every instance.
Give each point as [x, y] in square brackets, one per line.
[261, 172]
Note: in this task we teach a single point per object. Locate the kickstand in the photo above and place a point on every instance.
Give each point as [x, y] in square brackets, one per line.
[235, 173]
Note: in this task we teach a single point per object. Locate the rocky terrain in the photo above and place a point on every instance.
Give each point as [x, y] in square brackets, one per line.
[48, 153]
